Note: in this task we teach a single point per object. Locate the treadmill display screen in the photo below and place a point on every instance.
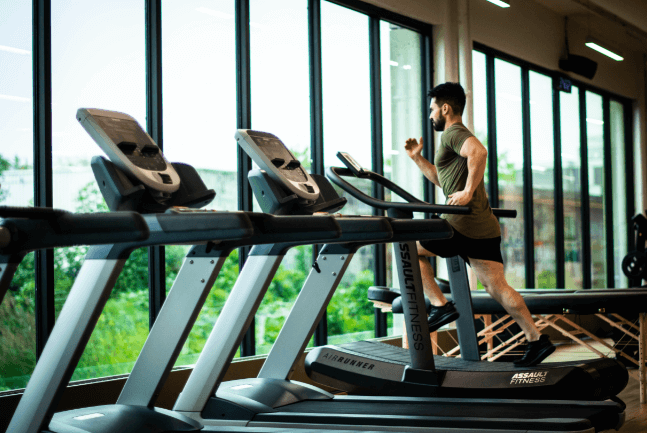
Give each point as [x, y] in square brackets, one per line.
[347, 159]
[133, 142]
[275, 150]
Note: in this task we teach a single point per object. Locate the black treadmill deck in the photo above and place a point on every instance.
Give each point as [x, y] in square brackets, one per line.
[366, 367]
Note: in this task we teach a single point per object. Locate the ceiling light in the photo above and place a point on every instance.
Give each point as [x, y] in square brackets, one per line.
[501, 3]
[596, 45]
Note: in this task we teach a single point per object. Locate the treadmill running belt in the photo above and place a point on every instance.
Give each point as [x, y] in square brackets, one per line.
[398, 355]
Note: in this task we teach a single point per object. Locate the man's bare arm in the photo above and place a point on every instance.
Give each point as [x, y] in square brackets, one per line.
[476, 155]
[414, 151]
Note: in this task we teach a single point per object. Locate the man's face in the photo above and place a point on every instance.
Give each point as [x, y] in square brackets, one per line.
[436, 117]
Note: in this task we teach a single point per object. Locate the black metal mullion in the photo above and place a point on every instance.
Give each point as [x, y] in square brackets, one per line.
[244, 121]
[529, 222]
[316, 125]
[316, 86]
[156, 255]
[608, 193]
[584, 191]
[377, 153]
[493, 185]
[559, 190]
[43, 176]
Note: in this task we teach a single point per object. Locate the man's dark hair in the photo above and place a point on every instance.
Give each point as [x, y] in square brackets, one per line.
[451, 94]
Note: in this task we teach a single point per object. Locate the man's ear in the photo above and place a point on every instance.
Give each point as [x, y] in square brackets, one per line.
[446, 108]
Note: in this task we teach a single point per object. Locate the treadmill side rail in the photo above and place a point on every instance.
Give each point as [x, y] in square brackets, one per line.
[234, 319]
[171, 329]
[305, 314]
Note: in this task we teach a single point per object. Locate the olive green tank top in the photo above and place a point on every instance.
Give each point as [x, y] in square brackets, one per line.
[452, 173]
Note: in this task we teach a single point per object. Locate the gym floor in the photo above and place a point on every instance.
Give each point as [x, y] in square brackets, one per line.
[636, 414]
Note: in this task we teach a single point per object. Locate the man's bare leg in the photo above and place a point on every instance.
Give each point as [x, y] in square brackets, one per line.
[436, 297]
[492, 276]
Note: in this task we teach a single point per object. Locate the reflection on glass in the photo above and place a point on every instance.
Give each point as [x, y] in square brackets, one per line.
[543, 179]
[595, 147]
[619, 180]
[17, 311]
[199, 91]
[347, 127]
[281, 106]
[401, 69]
[510, 168]
[98, 54]
[571, 166]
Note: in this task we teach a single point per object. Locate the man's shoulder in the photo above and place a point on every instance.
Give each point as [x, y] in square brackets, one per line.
[455, 135]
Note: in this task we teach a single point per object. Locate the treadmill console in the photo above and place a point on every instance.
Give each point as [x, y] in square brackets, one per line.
[278, 162]
[130, 148]
[350, 162]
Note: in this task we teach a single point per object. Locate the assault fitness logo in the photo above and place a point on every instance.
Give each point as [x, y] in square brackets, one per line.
[533, 377]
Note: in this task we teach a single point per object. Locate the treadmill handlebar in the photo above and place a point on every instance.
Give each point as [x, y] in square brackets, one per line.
[295, 228]
[31, 229]
[30, 212]
[414, 204]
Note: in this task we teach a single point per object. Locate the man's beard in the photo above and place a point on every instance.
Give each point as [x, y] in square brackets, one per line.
[440, 125]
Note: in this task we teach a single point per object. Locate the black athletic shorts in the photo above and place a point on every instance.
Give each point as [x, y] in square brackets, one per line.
[460, 245]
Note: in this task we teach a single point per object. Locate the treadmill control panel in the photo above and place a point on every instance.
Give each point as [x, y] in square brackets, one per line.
[279, 163]
[130, 148]
[350, 162]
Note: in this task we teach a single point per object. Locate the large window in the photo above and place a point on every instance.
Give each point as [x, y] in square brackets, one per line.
[510, 167]
[347, 127]
[98, 55]
[199, 91]
[566, 160]
[479, 102]
[280, 105]
[620, 164]
[571, 187]
[402, 103]
[17, 311]
[543, 179]
[597, 197]
[213, 79]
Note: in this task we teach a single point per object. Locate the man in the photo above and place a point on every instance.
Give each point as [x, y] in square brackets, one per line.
[459, 168]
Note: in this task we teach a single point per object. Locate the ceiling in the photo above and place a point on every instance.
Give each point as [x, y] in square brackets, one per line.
[615, 16]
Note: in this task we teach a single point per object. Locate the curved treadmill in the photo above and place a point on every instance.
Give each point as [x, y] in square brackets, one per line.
[591, 380]
[273, 401]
